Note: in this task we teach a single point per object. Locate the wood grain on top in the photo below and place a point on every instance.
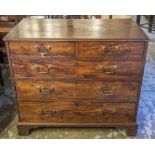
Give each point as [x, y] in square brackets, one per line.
[76, 29]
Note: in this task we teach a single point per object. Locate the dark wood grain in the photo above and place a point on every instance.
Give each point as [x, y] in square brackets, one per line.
[28, 49]
[51, 68]
[77, 112]
[77, 73]
[76, 29]
[97, 90]
[126, 50]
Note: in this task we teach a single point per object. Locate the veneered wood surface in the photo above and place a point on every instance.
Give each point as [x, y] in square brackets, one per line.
[28, 48]
[51, 68]
[81, 88]
[132, 51]
[76, 112]
[41, 90]
[76, 29]
[127, 50]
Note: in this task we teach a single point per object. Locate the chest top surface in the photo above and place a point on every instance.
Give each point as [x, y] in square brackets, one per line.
[76, 29]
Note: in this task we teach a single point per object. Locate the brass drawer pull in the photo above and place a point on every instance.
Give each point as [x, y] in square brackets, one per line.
[48, 113]
[111, 49]
[45, 91]
[104, 114]
[42, 50]
[112, 69]
[37, 68]
[107, 91]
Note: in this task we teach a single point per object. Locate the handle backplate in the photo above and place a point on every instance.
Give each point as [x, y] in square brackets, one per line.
[107, 91]
[105, 114]
[45, 91]
[111, 70]
[38, 69]
[42, 50]
[111, 49]
[48, 113]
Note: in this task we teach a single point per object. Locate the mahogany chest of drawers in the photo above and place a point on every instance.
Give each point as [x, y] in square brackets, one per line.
[76, 73]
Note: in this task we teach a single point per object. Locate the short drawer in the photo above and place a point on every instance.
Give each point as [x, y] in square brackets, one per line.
[93, 90]
[111, 50]
[106, 70]
[42, 49]
[76, 112]
[50, 68]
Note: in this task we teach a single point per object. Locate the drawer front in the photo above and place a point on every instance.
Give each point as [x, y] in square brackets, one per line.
[111, 50]
[42, 49]
[47, 68]
[93, 90]
[76, 112]
[107, 70]
[77, 69]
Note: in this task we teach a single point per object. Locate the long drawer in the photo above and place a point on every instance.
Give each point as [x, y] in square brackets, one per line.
[50, 68]
[76, 112]
[93, 90]
[111, 50]
[42, 49]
